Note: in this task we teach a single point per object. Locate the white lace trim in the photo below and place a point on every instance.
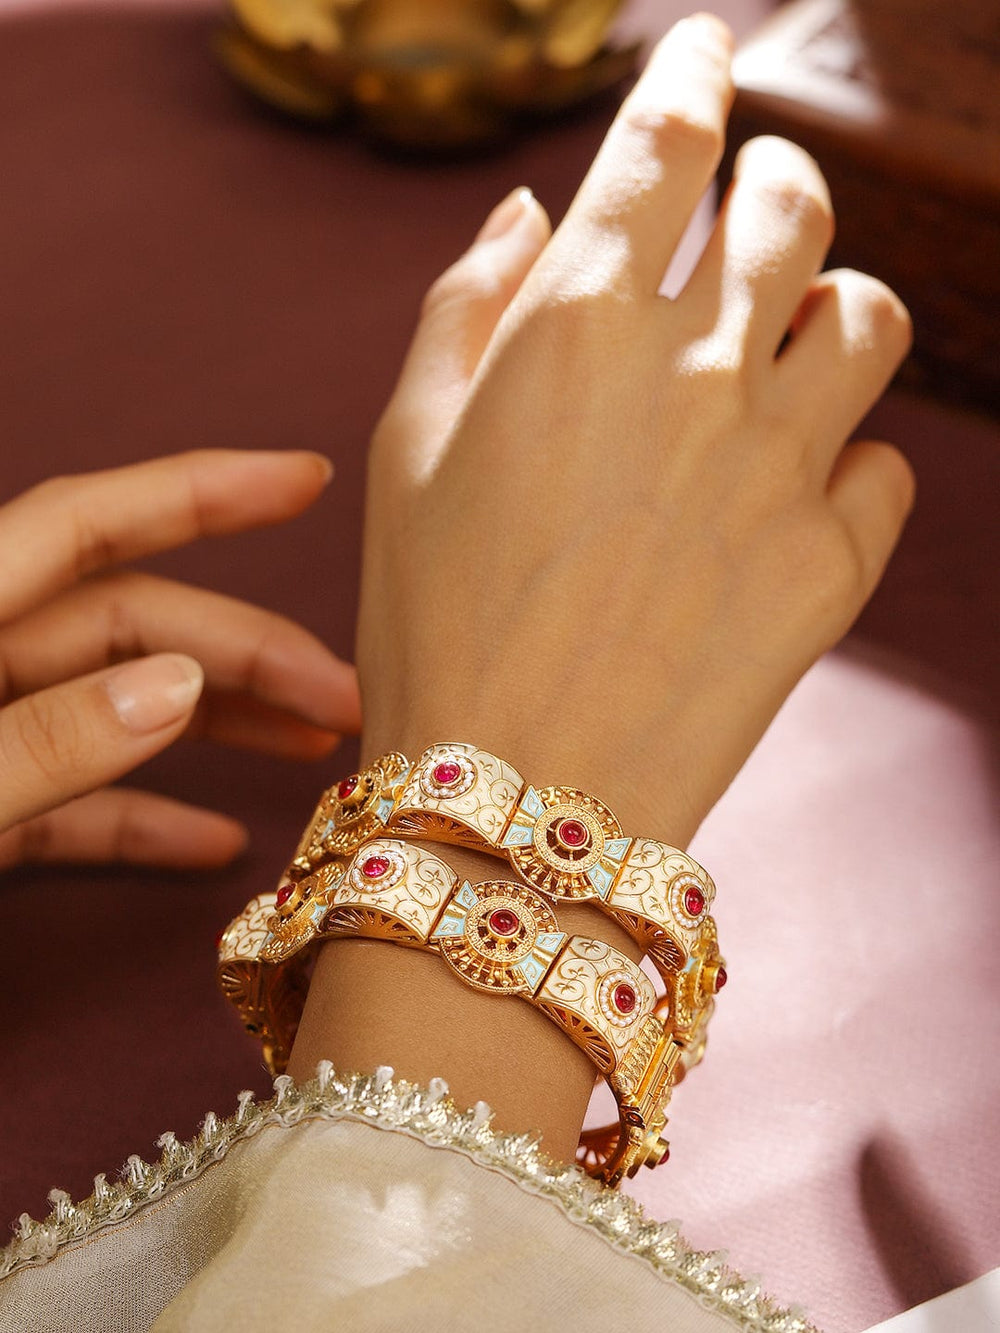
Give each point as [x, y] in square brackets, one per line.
[426, 1113]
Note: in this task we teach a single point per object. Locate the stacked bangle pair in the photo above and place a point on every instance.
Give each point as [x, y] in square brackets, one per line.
[354, 874]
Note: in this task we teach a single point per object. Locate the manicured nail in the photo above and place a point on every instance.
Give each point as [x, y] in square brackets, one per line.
[326, 467]
[154, 692]
[506, 214]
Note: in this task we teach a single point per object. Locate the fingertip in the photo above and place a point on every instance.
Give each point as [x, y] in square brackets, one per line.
[324, 466]
[200, 839]
[519, 220]
[708, 27]
[904, 479]
[318, 744]
[310, 461]
[152, 693]
[231, 841]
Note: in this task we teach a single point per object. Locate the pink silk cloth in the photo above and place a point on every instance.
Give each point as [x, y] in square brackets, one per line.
[179, 270]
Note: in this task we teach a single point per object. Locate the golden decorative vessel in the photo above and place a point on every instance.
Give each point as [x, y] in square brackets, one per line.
[433, 74]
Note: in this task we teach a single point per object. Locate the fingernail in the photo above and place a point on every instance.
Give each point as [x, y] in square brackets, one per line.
[718, 32]
[506, 214]
[326, 466]
[154, 692]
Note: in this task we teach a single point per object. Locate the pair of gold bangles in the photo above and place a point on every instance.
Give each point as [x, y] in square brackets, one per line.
[356, 874]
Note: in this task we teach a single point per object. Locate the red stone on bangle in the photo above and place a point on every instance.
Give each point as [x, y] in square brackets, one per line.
[624, 997]
[721, 977]
[694, 901]
[446, 773]
[571, 832]
[503, 922]
[374, 866]
[347, 786]
[284, 893]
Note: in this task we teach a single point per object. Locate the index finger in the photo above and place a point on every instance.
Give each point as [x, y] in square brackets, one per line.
[68, 527]
[656, 162]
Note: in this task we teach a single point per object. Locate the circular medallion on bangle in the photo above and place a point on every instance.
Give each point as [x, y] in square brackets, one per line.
[575, 847]
[502, 923]
[349, 813]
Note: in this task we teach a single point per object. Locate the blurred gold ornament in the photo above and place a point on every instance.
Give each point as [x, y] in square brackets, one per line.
[424, 73]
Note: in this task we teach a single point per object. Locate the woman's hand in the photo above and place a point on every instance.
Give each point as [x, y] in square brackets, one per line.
[198, 662]
[608, 531]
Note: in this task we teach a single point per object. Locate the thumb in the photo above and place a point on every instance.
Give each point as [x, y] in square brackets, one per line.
[73, 738]
[461, 311]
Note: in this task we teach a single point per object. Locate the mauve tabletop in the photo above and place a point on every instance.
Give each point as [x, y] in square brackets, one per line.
[180, 270]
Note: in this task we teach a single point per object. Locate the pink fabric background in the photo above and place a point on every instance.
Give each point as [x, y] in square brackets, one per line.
[179, 270]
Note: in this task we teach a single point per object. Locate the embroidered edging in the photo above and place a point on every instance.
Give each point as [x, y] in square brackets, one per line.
[426, 1113]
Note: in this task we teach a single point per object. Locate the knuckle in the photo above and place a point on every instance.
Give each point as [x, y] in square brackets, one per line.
[880, 307]
[50, 734]
[841, 577]
[797, 202]
[788, 181]
[462, 284]
[673, 131]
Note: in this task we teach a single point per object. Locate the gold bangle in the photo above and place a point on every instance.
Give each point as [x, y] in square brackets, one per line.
[499, 936]
[562, 841]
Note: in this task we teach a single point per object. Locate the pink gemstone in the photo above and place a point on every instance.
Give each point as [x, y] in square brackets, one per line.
[347, 786]
[624, 998]
[374, 866]
[284, 893]
[446, 773]
[694, 901]
[503, 922]
[572, 832]
[721, 977]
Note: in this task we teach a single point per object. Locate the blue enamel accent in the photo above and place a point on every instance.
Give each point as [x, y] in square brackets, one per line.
[465, 896]
[448, 926]
[516, 836]
[385, 808]
[318, 913]
[550, 942]
[616, 848]
[531, 803]
[532, 970]
[327, 829]
[601, 878]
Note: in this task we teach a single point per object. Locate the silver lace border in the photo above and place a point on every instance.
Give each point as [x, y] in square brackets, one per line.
[428, 1114]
